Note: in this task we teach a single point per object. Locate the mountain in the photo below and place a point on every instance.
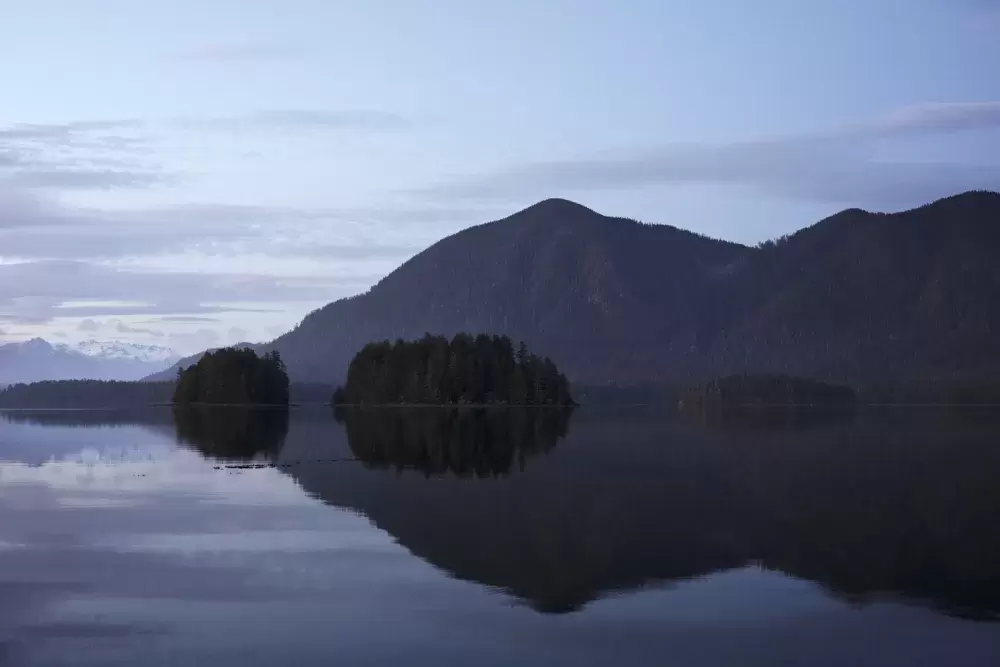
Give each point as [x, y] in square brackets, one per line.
[566, 280]
[863, 296]
[36, 360]
[857, 297]
[116, 349]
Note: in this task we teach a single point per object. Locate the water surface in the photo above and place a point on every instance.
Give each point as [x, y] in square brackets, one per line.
[499, 538]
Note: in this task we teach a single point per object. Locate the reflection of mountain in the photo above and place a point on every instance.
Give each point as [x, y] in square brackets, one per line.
[897, 504]
[866, 509]
[462, 442]
[232, 433]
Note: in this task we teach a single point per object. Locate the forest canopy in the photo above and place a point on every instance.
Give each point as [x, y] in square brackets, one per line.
[235, 377]
[85, 394]
[466, 370]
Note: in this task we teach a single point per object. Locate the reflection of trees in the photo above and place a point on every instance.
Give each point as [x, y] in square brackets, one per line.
[770, 418]
[231, 433]
[480, 442]
[866, 507]
[881, 509]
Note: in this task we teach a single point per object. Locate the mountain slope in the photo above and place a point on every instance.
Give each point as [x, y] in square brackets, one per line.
[864, 296]
[36, 360]
[859, 297]
[602, 295]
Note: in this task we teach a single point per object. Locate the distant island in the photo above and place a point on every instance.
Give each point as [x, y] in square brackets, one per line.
[467, 370]
[763, 390]
[233, 376]
[84, 395]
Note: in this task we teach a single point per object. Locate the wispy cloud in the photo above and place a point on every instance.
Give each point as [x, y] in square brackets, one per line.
[182, 319]
[123, 328]
[924, 119]
[835, 165]
[88, 179]
[90, 154]
[35, 227]
[37, 292]
[123, 153]
[299, 119]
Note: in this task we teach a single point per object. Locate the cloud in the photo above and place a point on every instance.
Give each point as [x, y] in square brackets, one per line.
[202, 339]
[121, 327]
[88, 326]
[836, 165]
[245, 52]
[121, 153]
[83, 154]
[931, 119]
[88, 179]
[37, 292]
[182, 319]
[69, 131]
[237, 334]
[33, 227]
[299, 119]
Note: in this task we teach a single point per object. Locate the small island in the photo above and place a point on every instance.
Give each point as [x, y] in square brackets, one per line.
[467, 370]
[233, 376]
[764, 390]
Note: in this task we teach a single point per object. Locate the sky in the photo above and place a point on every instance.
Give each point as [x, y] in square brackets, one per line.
[193, 174]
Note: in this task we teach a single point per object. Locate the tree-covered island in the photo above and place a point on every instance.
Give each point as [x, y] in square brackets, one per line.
[234, 377]
[467, 370]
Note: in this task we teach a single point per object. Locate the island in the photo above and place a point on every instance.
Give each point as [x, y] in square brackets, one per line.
[466, 370]
[763, 390]
[233, 376]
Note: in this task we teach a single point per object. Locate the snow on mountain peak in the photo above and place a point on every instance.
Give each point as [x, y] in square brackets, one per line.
[116, 349]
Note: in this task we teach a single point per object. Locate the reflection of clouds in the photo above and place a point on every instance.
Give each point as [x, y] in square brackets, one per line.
[259, 541]
[91, 534]
[100, 478]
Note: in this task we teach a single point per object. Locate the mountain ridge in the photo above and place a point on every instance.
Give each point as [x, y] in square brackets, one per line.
[36, 360]
[855, 296]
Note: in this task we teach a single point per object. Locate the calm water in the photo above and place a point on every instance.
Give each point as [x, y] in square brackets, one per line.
[625, 538]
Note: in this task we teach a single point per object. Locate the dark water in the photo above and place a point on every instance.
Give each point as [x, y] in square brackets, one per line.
[431, 537]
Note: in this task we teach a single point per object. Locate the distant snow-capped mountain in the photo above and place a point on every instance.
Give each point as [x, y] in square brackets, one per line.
[37, 360]
[116, 349]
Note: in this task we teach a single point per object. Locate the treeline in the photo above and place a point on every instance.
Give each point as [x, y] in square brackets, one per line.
[98, 394]
[481, 443]
[236, 377]
[85, 394]
[466, 370]
[764, 390]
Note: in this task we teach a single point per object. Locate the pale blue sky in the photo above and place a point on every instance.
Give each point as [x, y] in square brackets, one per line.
[191, 172]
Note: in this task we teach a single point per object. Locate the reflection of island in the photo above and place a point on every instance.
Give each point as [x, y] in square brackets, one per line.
[232, 433]
[866, 509]
[898, 504]
[463, 442]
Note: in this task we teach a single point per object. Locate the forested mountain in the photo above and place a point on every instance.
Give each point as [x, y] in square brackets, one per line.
[865, 296]
[859, 297]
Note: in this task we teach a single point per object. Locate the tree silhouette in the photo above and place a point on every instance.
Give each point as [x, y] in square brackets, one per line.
[234, 376]
[466, 370]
